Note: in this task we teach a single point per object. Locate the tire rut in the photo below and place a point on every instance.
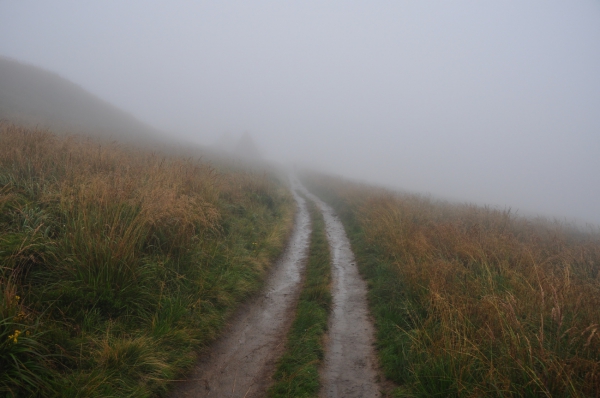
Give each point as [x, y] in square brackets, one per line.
[242, 361]
[350, 367]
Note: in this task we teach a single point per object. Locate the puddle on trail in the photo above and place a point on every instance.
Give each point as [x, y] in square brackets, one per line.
[241, 362]
[350, 368]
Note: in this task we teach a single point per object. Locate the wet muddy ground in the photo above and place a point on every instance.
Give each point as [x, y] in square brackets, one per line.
[242, 361]
[350, 368]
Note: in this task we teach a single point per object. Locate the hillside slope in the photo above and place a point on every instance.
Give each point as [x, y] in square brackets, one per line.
[470, 301]
[117, 265]
[32, 96]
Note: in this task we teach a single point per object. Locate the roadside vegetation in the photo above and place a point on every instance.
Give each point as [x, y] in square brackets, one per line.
[118, 264]
[471, 301]
[297, 373]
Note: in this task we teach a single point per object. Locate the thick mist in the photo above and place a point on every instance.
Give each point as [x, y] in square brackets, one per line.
[494, 103]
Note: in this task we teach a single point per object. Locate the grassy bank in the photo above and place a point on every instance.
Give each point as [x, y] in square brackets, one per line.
[472, 301]
[118, 264]
[297, 373]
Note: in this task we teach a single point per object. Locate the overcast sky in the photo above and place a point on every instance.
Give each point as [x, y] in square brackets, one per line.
[489, 102]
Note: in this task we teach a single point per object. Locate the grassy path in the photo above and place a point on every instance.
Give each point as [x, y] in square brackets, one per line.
[297, 374]
[350, 366]
[343, 364]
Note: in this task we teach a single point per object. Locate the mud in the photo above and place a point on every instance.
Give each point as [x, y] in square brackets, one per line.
[350, 367]
[242, 361]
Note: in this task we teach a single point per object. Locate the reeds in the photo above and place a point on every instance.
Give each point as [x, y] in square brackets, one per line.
[473, 301]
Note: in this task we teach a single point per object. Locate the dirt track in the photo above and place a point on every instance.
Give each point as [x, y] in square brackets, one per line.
[240, 364]
[242, 361]
[350, 368]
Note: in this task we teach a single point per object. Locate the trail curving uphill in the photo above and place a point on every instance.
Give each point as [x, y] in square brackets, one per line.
[350, 367]
[241, 363]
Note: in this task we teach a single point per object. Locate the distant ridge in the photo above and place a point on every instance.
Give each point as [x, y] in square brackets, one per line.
[32, 96]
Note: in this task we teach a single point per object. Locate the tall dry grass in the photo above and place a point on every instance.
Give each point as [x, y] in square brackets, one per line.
[477, 301]
[117, 262]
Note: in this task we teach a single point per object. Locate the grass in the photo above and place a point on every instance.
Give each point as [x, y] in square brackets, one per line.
[117, 265]
[471, 301]
[297, 372]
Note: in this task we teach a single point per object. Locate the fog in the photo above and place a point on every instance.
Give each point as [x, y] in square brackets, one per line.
[489, 102]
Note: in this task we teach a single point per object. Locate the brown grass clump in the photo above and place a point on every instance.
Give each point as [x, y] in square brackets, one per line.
[485, 303]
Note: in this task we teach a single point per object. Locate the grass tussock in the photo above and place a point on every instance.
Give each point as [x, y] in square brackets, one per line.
[117, 264]
[472, 301]
[297, 373]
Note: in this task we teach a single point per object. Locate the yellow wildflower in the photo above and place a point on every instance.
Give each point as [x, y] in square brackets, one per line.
[19, 316]
[15, 337]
